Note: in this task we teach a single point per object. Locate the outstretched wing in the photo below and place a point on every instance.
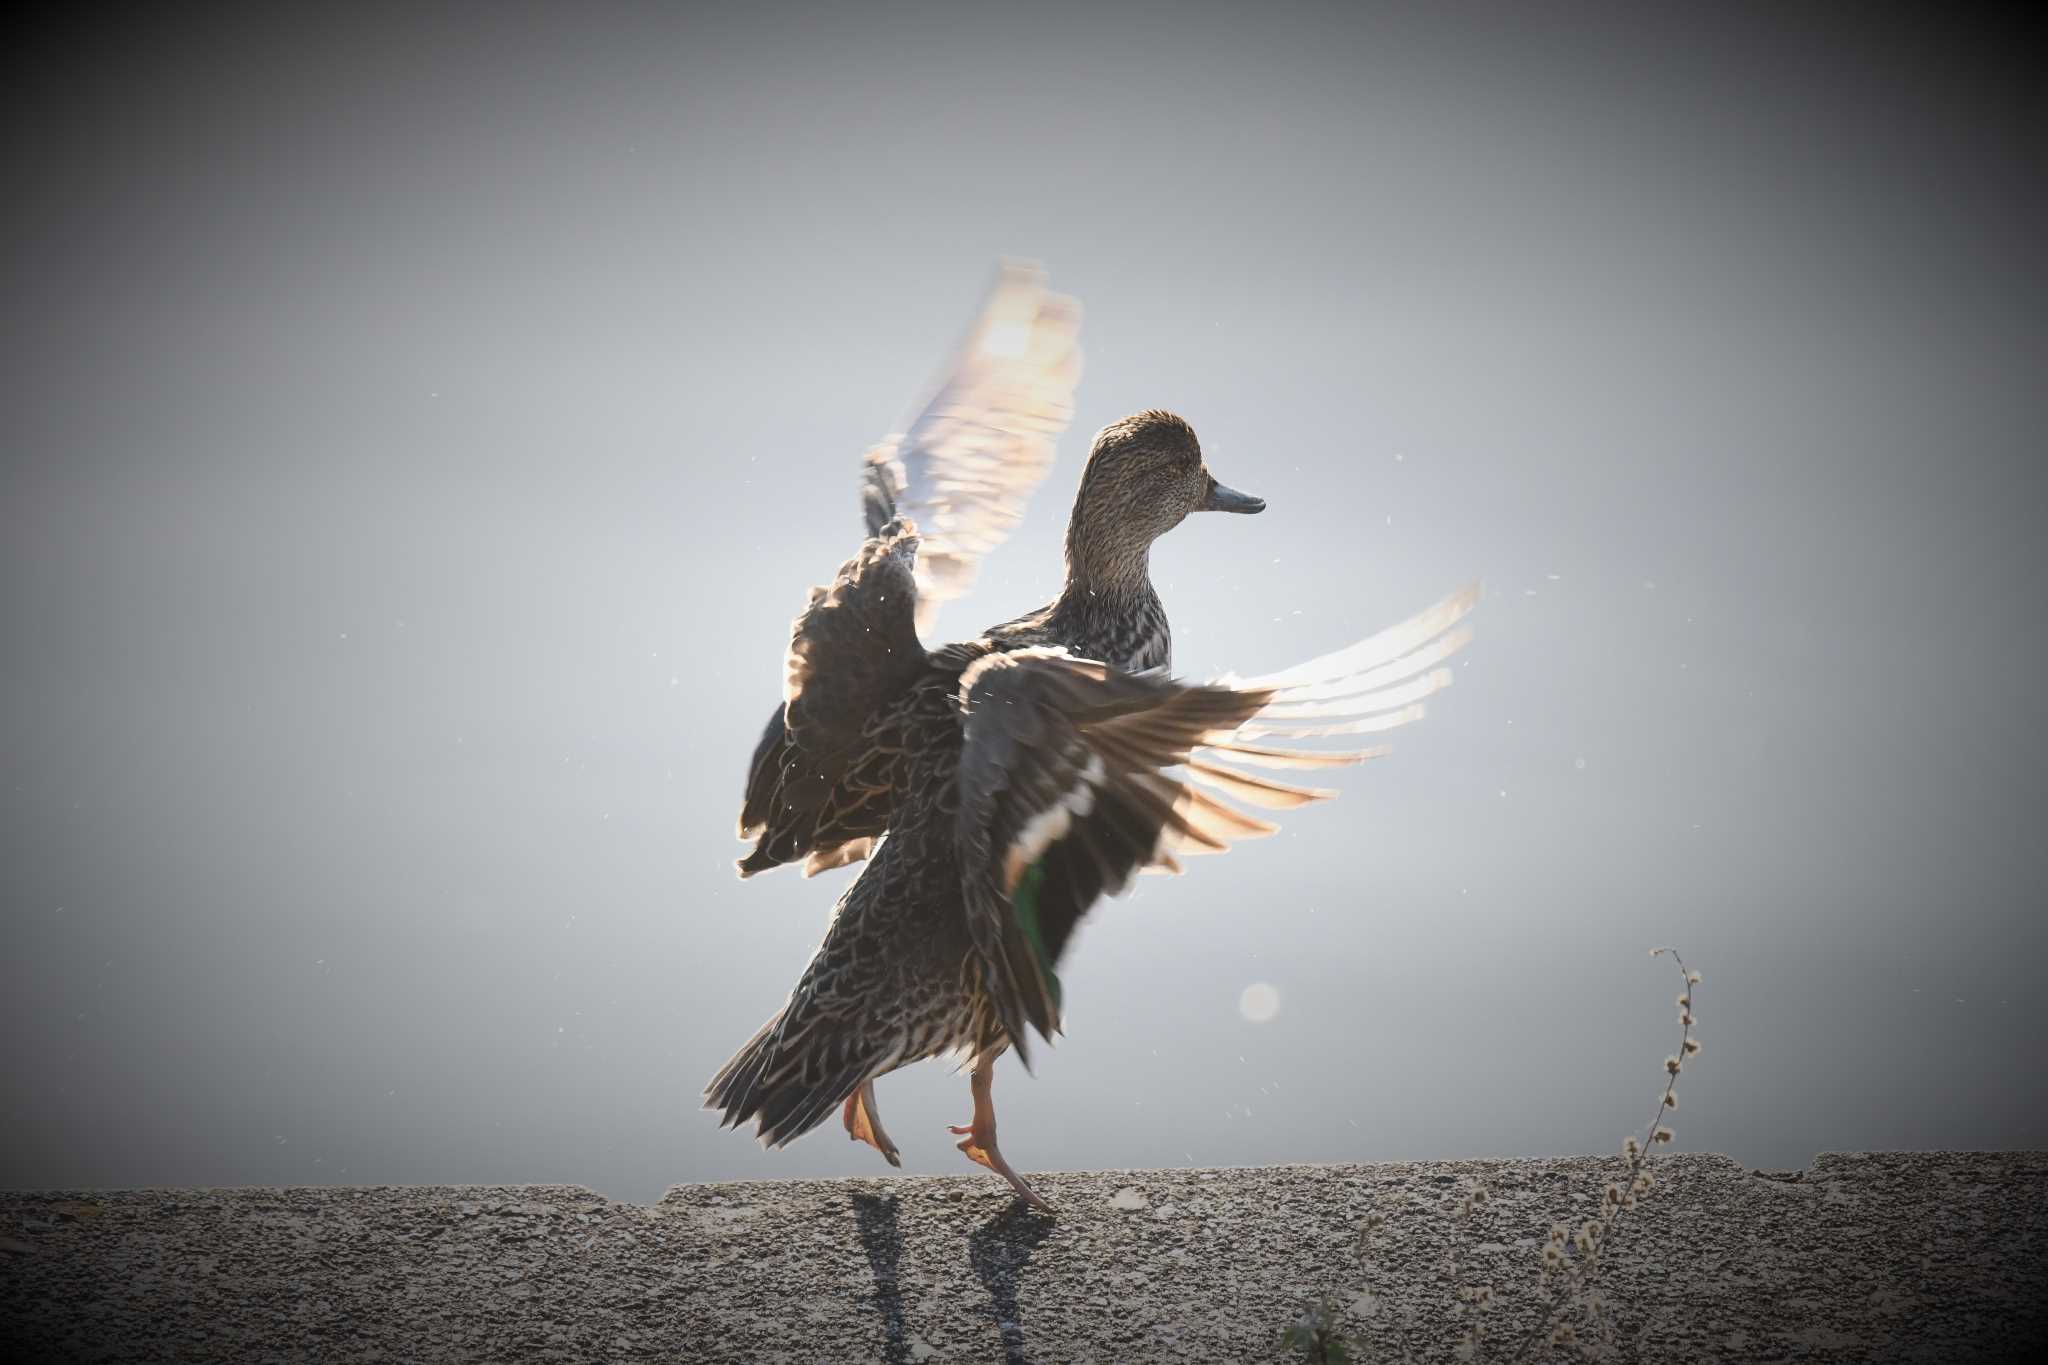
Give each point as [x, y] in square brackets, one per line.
[936, 498]
[968, 462]
[1074, 777]
[822, 776]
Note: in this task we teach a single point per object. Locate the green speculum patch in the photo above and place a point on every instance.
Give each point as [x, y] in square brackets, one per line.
[1024, 905]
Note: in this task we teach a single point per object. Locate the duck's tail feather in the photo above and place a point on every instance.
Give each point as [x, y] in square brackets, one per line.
[784, 1094]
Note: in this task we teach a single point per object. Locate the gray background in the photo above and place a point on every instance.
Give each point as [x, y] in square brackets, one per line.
[419, 430]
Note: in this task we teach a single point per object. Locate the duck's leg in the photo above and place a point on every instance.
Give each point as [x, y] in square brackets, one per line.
[864, 1123]
[980, 1142]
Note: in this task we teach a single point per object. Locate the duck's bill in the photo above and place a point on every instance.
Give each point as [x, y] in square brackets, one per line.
[1223, 498]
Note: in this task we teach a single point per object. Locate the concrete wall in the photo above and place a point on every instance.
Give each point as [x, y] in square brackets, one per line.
[1935, 1256]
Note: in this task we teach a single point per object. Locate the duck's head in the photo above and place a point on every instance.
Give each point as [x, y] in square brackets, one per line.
[1145, 474]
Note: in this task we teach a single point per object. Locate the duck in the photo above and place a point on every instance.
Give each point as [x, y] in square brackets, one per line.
[961, 474]
[1028, 781]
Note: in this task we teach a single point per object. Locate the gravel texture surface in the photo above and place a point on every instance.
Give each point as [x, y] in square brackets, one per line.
[1888, 1256]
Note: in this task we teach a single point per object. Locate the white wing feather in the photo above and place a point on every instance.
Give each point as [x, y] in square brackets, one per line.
[965, 468]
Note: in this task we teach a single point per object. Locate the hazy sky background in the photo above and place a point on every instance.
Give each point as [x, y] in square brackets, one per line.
[419, 432]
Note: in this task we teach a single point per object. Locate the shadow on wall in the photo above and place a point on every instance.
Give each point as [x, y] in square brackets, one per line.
[884, 1245]
[997, 1251]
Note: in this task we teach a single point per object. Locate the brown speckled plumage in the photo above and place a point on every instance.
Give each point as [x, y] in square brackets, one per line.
[1000, 786]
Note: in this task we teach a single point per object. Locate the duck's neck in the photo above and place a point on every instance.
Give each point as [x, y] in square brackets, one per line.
[1101, 572]
[1108, 610]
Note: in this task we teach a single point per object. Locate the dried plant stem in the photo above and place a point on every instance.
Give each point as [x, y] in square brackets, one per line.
[1568, 1280]
[1578, 1273]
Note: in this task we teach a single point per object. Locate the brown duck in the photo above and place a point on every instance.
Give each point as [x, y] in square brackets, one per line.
[1016, 778]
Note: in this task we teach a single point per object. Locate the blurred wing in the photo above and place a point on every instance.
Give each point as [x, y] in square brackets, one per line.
[1065, 788]
[966, 467]
[824, 772]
